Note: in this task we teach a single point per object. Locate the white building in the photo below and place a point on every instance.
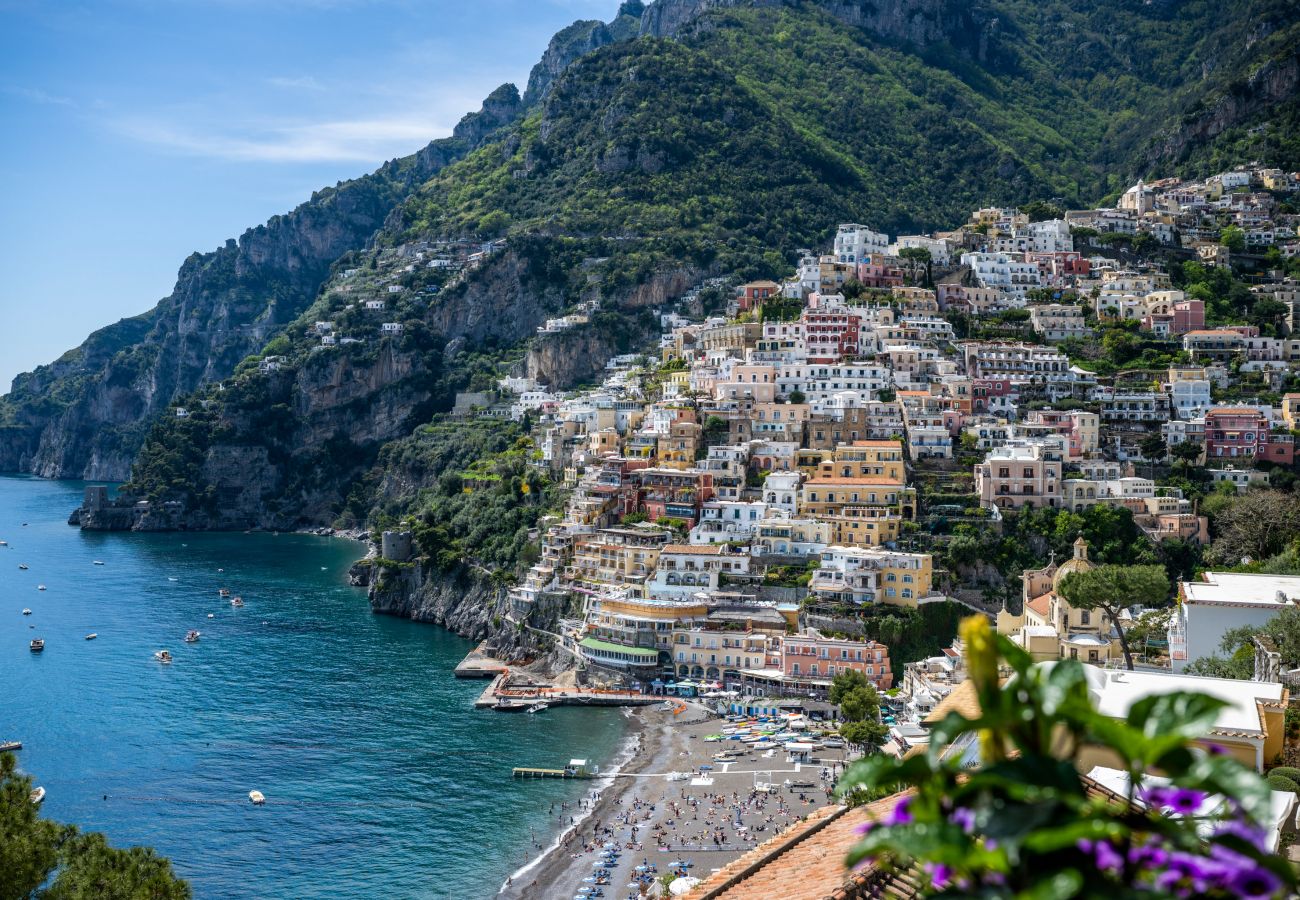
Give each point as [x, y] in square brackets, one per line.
[1221, 602]
[853, 243]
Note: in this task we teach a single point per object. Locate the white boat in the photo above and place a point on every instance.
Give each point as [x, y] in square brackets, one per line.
[169, 578]
[191, 636]
[163, 656]
[91, 636]
[40, 587]
[23, 566]
[539, 707]
[99, 562]
[38, 645]
[37, 795]
[237, 601]
[211, 616]
[26, 612]
[224, 592]
[257, 797]
[4, 543]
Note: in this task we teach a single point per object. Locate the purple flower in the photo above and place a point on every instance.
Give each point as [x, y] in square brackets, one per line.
[1256, 884]
[865, 827]
[1215, 749]
[1184, 801]
[939, 874]
[901, 814]
[1107, 857]
[1149, 856]
[963, 818]
[1252, 834]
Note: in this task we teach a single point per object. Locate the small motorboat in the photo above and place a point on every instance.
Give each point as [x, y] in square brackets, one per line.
[26, 612]
[91, 636]
[211, 615]
[163, 656]
[99, 562]
[224, 592]
[237, 601]
[4, 543]
[257, 798]
[170, 578]
[40, 587]
[37, 796]
[38, 645]
[539, 707]
[23, 566]
[191, 636]
[10, 746]
[221, 570]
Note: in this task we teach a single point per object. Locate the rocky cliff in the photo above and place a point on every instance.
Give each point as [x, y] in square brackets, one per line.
[85, 415]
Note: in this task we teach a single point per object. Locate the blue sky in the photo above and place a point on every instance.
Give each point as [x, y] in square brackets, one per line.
[133, 132]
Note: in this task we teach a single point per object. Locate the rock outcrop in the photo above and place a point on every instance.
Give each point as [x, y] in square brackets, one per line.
[87, 414]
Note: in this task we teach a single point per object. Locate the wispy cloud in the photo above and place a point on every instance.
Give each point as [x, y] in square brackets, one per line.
[359, 140]
[36, 95]
[297, 83]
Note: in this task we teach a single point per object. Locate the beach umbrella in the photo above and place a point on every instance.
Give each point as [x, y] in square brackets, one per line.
[682, 885]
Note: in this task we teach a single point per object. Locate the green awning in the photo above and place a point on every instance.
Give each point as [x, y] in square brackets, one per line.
[600, 646]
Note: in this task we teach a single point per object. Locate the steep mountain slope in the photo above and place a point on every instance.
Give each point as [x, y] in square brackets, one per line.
[685, 137]
[726, 130]
[86, 414]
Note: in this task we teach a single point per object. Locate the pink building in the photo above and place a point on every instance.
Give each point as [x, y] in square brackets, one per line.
[874, 274]
[1189, 315]
[831, 335]
[1235, 432]
[812, 656]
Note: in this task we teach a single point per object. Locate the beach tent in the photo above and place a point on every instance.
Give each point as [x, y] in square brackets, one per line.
[682, 885]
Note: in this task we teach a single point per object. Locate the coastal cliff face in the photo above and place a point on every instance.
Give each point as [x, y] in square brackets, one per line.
[86, 415]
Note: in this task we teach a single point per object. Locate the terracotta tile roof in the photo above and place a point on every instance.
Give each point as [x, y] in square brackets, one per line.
[1041, 605]
[961, 699]
[806, 862]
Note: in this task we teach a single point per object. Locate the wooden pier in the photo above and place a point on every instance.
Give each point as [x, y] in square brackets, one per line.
[577, 768]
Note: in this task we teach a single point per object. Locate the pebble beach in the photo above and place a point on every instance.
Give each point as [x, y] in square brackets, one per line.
[689, 823]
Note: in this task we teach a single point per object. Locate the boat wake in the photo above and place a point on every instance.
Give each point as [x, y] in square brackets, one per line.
[599, 786]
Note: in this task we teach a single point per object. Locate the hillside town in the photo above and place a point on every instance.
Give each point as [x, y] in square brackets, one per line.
[802, 459]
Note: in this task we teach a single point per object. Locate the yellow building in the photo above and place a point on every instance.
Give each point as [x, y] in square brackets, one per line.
[863, 526]
[616, 556]
[677, 449]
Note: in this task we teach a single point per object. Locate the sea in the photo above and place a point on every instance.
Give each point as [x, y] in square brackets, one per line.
[381, 779]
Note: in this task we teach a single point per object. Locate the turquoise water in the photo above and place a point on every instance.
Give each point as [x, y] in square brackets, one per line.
[381, 779]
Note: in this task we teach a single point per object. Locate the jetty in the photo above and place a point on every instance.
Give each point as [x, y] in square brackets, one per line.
[478, 664]
[577, 768]
[511, 692]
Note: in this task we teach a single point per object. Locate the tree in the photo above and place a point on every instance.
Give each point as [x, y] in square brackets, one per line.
[1233, 238]
[1153, 447]
[844, 682]
[1042, 211]
[798, 397]
[861, 704]
[29, 845]
[919, 256]
[1185, 452]
[864, 735]
[83, 866]
[1111, 589]
[1255, 525]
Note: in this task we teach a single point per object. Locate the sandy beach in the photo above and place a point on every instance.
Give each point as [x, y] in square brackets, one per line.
[657, 823]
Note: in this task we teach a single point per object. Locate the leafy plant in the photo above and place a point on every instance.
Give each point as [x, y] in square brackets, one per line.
[1025, 824]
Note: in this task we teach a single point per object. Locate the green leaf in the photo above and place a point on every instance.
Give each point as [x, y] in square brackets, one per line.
[1182, 713]
[1060, 886]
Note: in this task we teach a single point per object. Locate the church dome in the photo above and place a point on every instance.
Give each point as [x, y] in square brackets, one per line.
[1077, 563]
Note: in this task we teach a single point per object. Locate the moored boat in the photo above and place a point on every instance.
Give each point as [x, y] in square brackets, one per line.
[37, 796]
[23, 566]
[99, 562]
[257, 797]
[91, 636]
[539, 707]
[163, 656]
[237, 601]
[10, 746]
[224, 592]
[191, 636]
[40, 587]
[37, 645]
[26, 611]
